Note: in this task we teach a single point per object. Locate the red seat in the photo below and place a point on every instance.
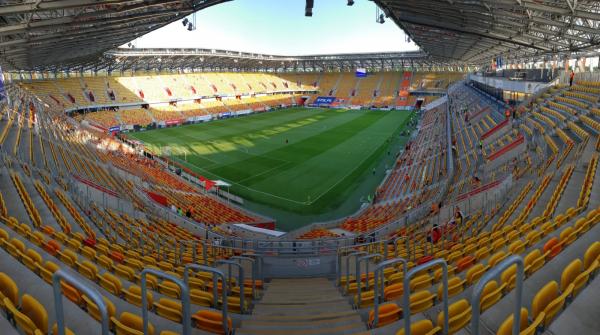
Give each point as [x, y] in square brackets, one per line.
[90, 242]
[424, 260]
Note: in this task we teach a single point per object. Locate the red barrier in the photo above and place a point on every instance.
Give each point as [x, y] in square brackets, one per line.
[506, 148]
[96, 186]
[480, 111]
[494, 129]
[161, 199]
[479, 190]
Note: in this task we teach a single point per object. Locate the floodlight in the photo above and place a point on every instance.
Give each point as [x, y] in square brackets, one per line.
[185, 22]
[350, 2]
[381, 19]
[309, 7]
[190, 27]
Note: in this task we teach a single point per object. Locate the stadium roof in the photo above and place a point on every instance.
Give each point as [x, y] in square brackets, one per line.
[46, 32]
[59, 34]
[477, 31]
[211, 59]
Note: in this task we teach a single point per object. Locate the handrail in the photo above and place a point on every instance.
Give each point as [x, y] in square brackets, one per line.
[354, 254]
[240, 279]
[253, 276]
[379, 268]
[89, 291]
[490, 275]
[216, 273]
[406, 289]
[185, 298]
[259, 265]
[358, 279]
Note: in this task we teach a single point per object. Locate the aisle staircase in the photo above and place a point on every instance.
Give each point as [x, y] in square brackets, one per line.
[313, 307]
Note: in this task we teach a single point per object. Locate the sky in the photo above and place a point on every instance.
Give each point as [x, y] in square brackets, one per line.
[279, 27]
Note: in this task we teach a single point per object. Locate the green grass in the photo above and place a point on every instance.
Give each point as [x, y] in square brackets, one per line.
[330, 155]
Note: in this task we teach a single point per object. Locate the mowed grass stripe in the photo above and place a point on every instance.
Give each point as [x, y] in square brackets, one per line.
[335, 166]
[293, 153]
[314, 165]
[223, 129]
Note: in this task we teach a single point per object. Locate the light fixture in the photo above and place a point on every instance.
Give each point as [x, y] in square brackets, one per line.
[350, 2]
[190, 27]
[381, 19]
[309, 8]
[185, 22]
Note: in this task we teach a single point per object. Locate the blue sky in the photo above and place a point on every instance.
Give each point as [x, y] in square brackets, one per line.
[280, 27]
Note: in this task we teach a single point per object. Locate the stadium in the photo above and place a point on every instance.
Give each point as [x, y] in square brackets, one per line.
[446, 188]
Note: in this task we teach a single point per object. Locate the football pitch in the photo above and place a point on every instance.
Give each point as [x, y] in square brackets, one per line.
[295, 160]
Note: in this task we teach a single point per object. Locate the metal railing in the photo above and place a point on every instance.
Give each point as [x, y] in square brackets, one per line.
[216, 273]
[380, 267]
[240, 268]
[356, 255]
[253, 275]
[358, 274]
[185, 298]
[406, 292]
[490, 275]
[90, 292]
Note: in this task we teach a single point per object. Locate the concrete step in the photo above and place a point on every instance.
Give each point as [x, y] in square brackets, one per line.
[313, 307]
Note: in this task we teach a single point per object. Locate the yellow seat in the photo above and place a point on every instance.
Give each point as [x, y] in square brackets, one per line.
[533, 262]
[88, 252]
[68, 257]
[459, 315]
[31, 317]
[388, 313]
[4, 236]
[516, 247]
[574, 275]
[211, 321]
[47, 270]
[455, 286]
[548, 301]
[110, 283]
[475, 272]
[93, 310]
[492, 293]
[422, 327]
[591, 254]
[169, 289]
[130, 324]
[421, 301]
[133, 295]
[8, 290]
[533, 237]
[482, 253]
[125, 271]
[15, 247]
[169, 309]
[67, 330]
[105, 262]
[497, 258]
[88, 270]
[32, 259]
[568, 236]
[393, 292]
[506, 327]
[421, 282]
[201, 298]
[367, 298]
